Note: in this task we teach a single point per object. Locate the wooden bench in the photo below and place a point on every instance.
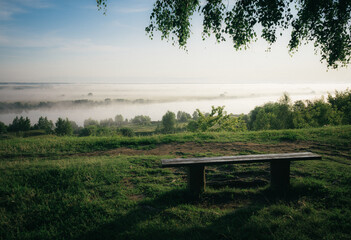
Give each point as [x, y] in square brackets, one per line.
[279, 166]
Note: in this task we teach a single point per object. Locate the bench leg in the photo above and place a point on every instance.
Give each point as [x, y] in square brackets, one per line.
[196, 179]
[280, 175]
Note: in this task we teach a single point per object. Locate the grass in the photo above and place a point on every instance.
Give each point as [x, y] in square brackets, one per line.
[47, 194]
[53, 146]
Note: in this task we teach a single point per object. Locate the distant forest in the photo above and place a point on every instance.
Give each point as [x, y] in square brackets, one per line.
[283, 114]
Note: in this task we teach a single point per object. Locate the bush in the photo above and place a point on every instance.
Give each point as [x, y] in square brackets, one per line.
[33, 133]
[126, 132]
[84, 132]
[192, 126]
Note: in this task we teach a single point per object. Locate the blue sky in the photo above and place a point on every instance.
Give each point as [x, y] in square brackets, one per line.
[71, 41]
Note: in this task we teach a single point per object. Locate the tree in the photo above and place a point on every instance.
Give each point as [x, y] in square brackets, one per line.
[3, 128]
[90, 122]
[19, 124]
[183, 116]
[107, 122]
[168, 122]
[75, 128]
[324, 23]
[195, 115]
[63, 127]
[119, 120]
[217, 120]
[45, 124]
[342, 102]
[141, 120]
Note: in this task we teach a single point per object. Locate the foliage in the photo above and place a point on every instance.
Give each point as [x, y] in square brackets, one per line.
[183, 116]
[87, 131]
[45, 124]
[272, 115]
[325, 23]
[3, 128]
[75, 128]
[119, 120]
[192, 126]
[301, 114]
[63, 127]
[141, 120]
[342, 103]
[315, 114]
[168, 122]
[90, 122]
[107, 122]
[217, 120]
[195, 115]
[126, 132]
[19, 124]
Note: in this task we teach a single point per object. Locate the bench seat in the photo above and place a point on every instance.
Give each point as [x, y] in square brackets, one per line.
[279, 167]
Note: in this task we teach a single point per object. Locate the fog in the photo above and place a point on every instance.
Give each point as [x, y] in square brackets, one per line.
[103, 101]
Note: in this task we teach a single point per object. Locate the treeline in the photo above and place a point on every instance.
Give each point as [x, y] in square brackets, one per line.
[283, 114]
[21, 124]
[19, 107]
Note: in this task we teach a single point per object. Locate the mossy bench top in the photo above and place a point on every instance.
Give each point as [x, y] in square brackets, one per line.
[181, 162]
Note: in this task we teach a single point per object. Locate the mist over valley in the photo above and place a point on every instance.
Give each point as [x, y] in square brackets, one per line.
[101, 101]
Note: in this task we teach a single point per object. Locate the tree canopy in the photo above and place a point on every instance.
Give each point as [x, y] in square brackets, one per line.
[325, 23]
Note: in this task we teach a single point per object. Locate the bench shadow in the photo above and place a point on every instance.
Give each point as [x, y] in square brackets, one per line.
[241, 180]
[126, 226]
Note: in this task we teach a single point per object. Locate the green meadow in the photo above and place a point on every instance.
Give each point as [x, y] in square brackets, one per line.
[114, 187]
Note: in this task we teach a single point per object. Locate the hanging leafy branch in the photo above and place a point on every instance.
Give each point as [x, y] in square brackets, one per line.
[325, 23]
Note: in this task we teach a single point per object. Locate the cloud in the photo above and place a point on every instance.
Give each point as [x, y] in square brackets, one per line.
[10, 8]
[7, 10]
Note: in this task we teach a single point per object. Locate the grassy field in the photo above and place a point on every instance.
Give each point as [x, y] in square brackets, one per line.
[113, 188]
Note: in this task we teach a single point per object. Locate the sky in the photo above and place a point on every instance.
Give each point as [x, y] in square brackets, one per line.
[71, 41]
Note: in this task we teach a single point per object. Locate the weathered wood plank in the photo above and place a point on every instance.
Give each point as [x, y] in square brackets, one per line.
[179, 162]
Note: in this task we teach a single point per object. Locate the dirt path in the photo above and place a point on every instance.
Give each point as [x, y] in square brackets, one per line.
[234, 148]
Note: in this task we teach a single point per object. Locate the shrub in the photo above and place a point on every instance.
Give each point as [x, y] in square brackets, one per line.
[84, 132]
[126, 132]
